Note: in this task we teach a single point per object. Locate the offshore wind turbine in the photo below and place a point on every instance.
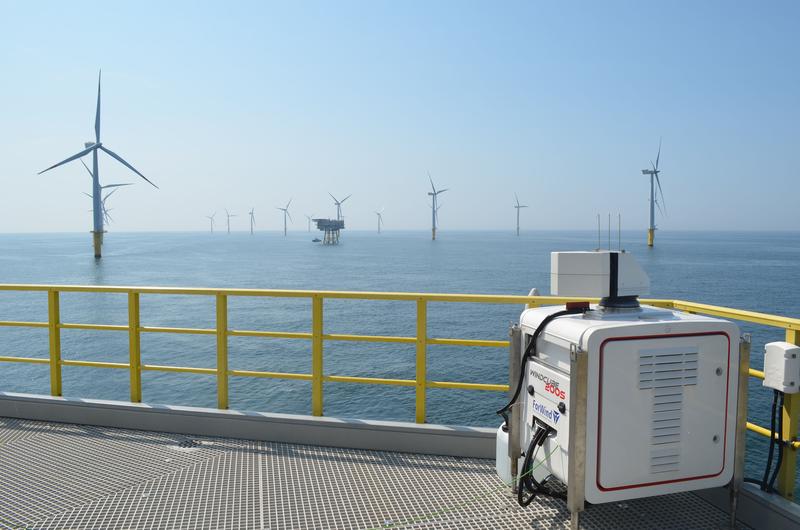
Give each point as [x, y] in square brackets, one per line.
[285, 214]
[309, 217]
[379, 213]
[211, 219]
[654, 181]
[434, 194]
[338, 204]
[518, 206]
[252, 220]
[229, 215]
[93, 148]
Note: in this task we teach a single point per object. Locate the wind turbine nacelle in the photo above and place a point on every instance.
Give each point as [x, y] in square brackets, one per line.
[87, 145]
[646, 172]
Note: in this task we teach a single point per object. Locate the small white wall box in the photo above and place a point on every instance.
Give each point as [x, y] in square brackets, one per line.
[782, 367]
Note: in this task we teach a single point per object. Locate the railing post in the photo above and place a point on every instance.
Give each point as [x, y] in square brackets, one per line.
[316, 355]
[222, 351]
[54, 321]
[791, 419]
[135, 347]
[422, 352]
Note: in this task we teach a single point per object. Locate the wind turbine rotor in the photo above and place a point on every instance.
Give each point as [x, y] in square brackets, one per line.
[123, 162]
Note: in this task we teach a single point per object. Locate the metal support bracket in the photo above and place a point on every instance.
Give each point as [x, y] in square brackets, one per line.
[576, 472]
[741, 426]
[514, 424]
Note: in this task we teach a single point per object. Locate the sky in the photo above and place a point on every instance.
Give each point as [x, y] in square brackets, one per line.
[243, 105]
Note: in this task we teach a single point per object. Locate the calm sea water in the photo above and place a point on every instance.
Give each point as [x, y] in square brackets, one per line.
[756, 271]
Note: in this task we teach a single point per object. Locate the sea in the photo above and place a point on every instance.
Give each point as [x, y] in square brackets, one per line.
[749, 270]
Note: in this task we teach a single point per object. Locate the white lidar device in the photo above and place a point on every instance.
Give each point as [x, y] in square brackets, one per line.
[661, 387]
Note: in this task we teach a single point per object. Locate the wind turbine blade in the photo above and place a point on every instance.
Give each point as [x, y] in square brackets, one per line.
[340, 202]
[110, 193]
[70, 159]
[288, 203]
[120, 159]
[442, 191]
[114, 185]
[659, 152]
[87, 194]
[658, 181]
[334, 198]
[516, 199]
[97, 115]
[87, 168]
[431, 179]
[290, 215]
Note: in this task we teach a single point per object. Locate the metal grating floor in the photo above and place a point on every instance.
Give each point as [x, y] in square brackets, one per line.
[73, 476]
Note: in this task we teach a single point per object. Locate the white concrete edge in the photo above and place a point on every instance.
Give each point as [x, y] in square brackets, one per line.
[757, 509]
[475, 442]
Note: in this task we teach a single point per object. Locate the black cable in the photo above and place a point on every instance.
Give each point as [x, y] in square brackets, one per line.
[531, 349]
[765, 480]
[771, 485]
[524, 484]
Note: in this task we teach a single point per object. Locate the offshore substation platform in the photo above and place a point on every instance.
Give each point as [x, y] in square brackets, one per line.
[331, 228]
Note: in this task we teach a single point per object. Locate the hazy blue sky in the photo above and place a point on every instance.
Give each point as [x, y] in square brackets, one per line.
[244, 105]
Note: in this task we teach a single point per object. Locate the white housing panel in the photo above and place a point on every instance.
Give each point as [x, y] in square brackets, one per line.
[782, 367]
[589, 274]
[662, 395]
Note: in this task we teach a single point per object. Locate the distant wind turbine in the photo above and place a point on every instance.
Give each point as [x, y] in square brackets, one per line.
[518, 206]
[379, 213]
[285, 214]
[309, 217]
[654, 180]
[229, 215]
[252, 220]
[434, 194]
[211, 219]
[93, 148]
[338, 204]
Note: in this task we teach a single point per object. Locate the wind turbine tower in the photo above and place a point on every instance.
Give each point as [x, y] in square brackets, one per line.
[434, 194]
[379, 213]
[285, 214]
[309, 217]
[97, 196]
[211, 220]
[252, 220]
[229, 215]
[654, 181]
[338, 204]
[518, 206]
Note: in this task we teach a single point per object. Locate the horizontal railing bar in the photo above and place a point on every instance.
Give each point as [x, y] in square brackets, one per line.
[269, 334]
[188, 331]
[738, 314]
[756, 373]
[369, 338]
[98, 327]
[758, 429]
[34, 360]
[179, 369]
[270, 375]
[369, 380]
[94, 364]
[469, 342]
[467, 386]
[12, 323]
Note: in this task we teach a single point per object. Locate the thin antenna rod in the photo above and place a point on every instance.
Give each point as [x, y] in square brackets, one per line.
[609, 230]
[619, 231]
[599, 245]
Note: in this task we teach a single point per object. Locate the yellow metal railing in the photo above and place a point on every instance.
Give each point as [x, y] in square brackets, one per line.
[317, 336]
